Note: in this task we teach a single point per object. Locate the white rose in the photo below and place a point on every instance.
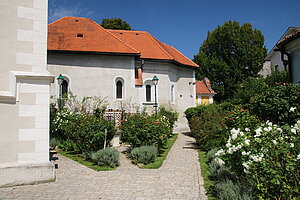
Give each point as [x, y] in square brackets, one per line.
[230, 151]
[228, 145]
[247, 142]
[245, 165]
[234, 136]
[220, 152]
[219, 161]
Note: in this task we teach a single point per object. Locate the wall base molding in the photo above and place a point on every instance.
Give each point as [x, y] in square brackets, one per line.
[27, 173]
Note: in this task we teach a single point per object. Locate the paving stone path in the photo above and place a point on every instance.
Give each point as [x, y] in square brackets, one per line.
[178, 178]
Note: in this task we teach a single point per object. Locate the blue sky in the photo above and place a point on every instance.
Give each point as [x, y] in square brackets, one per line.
[184, 23]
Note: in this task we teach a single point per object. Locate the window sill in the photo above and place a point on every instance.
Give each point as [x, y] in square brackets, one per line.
[149, 103]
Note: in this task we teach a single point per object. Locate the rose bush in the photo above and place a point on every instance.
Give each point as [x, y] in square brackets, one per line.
[238, 117]
[279, 104]
[145, 130]
[86, 131]
[268, 156]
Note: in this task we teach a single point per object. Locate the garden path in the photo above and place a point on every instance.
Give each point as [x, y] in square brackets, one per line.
[178, 178]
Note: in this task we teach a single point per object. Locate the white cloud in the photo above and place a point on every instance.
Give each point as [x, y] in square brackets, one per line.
[58, 10]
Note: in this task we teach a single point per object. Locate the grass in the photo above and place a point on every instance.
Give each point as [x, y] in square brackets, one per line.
[160, 159]
[80, 159]
[205, 174]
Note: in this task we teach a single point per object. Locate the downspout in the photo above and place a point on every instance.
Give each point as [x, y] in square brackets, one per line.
[287, 63]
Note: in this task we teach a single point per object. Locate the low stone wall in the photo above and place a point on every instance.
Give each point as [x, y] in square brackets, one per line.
[23, 174]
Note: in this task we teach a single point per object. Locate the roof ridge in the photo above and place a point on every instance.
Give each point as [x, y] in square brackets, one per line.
[58, 20]
[156, 42]
[114, 36]
[180, 53]
[116, 30]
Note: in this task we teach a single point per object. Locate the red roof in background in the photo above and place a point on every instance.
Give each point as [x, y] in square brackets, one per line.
[62, 35]
[203, 87]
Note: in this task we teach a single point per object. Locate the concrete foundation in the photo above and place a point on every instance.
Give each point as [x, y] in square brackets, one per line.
[22, 174]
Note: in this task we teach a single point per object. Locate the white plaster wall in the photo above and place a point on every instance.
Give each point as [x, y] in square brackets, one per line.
[182, 78]
[95, 75]
[24, 92]
[269, 65]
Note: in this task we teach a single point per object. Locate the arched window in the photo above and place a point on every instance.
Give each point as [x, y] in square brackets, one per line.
[172, 93]
[119, 86]
[64, 88]
[148, 93]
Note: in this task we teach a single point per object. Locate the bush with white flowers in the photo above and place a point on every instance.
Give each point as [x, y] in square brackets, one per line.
[268, 157]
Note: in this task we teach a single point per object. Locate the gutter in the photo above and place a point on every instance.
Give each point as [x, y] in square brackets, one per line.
[121, 54]
[171, 61]
[94, 53]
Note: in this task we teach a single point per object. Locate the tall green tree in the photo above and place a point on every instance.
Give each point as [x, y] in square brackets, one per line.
[115, 23]
[229, 55]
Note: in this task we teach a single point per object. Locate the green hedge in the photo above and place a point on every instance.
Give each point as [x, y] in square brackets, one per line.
[145, 130]
[86, 132]
[207, 125]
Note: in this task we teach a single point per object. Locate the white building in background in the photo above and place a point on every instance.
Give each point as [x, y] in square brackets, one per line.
[120, 65]
[273, 61]
[24, 93]
[204, 93]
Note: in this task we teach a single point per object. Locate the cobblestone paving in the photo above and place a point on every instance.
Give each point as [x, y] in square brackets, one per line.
[178, 178]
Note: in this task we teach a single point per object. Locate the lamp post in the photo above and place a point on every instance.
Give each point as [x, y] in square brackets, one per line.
[155, 82]
[60, 80]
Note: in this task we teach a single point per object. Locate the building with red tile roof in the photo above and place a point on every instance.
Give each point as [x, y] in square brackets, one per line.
[204, 92]
[119, 65]
[83, 34]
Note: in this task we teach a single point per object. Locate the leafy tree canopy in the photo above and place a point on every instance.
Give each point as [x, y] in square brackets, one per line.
[229, 55]
[115, 23]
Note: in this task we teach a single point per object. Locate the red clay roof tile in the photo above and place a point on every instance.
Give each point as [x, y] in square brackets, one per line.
[82, 34]
[63, 35]
[203, 87]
